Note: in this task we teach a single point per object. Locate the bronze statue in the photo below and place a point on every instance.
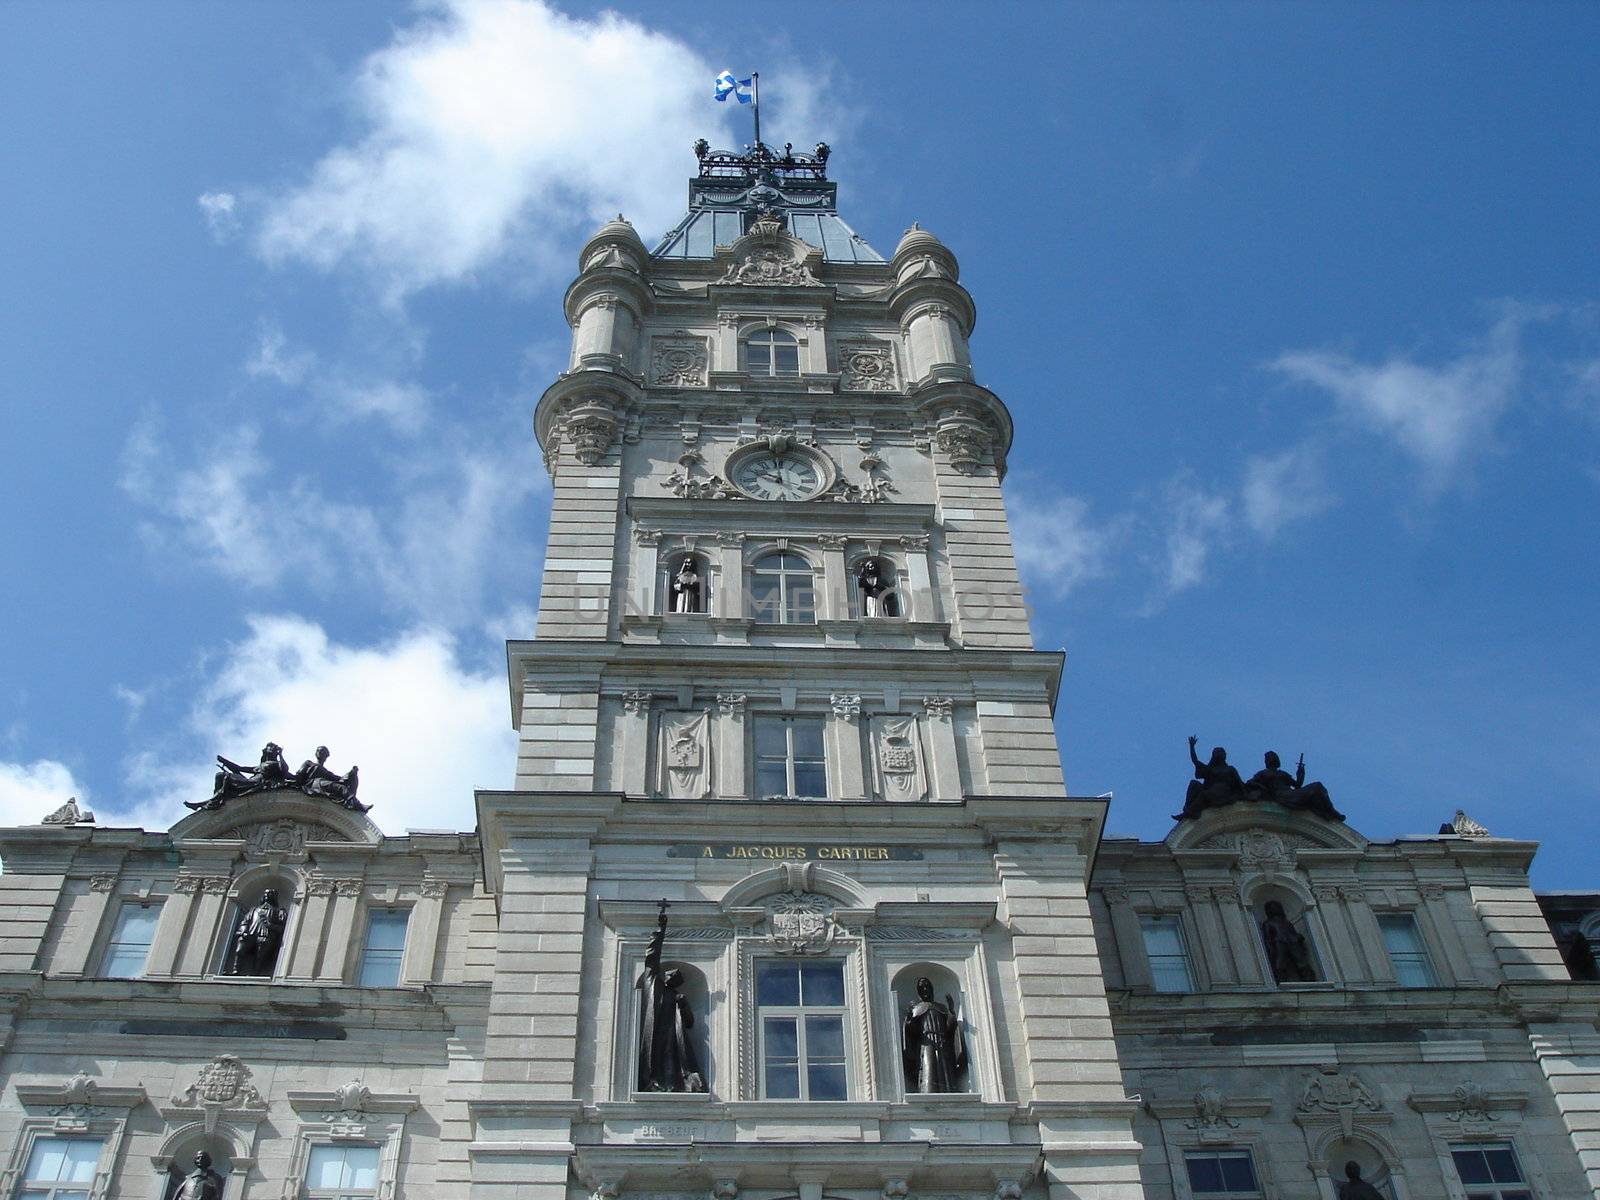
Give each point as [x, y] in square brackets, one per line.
[1273, 783]
[1215, 783]
[1356, 1188]
[259, 937]
[1288, 952]
[235, 780]
[314, 779]
[667, 1060]
[877, 593]
[686, 588]
[933, 1051]
[202, 1183]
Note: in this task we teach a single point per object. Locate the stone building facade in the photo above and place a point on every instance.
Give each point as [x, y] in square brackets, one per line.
[783, 680]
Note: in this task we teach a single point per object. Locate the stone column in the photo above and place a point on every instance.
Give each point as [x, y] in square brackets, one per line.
[1368, 937]
[72, 957]
[730, 599]
[835, 604]
[944, 776]
[632, 771]
[310, 936]
[341, 926]
[422, 933]
[1213, 937]
[844, 747]
[1242, 936]
[647, 596]
[207, 912]
[730, 775]
[917, 595]
[1435, 911]
[1129, 936]
[1340, 960]
[170, 928]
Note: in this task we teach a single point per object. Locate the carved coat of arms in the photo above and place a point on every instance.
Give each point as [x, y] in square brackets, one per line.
[801, 923]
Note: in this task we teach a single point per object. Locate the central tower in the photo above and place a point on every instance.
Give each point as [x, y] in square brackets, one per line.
[783, 679]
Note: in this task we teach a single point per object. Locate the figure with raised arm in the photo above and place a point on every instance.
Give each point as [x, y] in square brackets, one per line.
[667, 1061]
[1215, 783]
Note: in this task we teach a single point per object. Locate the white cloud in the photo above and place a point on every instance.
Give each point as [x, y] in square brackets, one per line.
[220, 211]
[502, 130]
[424, 729]
[1439, 415]
[29, 791]
[1056, 544]
[336, 392]
[1281, 488]
[432, 553]
[275, 359]
[1195, 521]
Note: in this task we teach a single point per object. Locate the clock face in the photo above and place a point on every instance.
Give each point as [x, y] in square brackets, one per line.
[778, 477]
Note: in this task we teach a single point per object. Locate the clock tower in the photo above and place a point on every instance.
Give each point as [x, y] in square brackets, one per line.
[783, 680]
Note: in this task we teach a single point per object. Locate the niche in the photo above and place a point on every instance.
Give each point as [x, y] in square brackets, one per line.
[1284, 936]
[697, 994]
[687, 586]
[915, 1070]
[877, 588]
[256, 941]
[1368, 1159]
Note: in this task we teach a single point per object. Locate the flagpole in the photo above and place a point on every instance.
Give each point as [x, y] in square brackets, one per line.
[755, 101]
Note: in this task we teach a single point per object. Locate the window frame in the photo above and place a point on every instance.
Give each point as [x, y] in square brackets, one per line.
[110, 949]
[1420, 956]
[1520, 1189]
[769, 337]
[1175, 920]
[51, 1189]
[399, 956]
[307, 1192]
[791, 760]
[784, 575]
[799, 1013]
[1218, 1152]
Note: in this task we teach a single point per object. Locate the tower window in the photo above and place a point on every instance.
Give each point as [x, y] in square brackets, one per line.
[1403, 941]
[802, 1030]
[1490, 1172]
[783, 590]
[1168, 954]
[772, 352]
[789, 757]
[130, 941]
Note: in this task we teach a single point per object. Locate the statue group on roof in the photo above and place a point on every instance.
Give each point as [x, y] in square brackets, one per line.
[1217, 783]
[272, 773]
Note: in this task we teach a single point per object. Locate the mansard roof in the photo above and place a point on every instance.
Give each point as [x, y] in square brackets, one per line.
[733, 186]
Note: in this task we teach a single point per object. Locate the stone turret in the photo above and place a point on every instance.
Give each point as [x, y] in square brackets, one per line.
[609, 299]
[933, 309]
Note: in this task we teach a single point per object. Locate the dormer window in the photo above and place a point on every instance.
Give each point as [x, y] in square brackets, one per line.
[773, 353]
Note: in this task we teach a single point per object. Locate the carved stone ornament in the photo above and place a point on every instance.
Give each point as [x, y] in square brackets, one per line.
[223, 1083]
[966, 441]
[282, 838]
[1472, 1104]
[635, 702]
[69, 814]
[1261, 850]
[103, 883]
[845, 705]
[1210, 1111]
[1330, 1091]
[866, 366]
[1462, 825]
[690, 485]
[767, 256]
[938, 707]
[686, 755]
[679, 360]
[591, 428]
[800, 923]
[73, 1103]
[731, 704]
[873, 489]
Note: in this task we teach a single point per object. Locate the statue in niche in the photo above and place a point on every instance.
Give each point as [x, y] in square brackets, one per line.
[259, 937]
[202, 1183]
[1215, 783]
[1356, 1188]
[314, 779]
[667, 1061]
[1273, 783]
[1288, 952]
[934, 1052]
[877, 593]
[687, 589]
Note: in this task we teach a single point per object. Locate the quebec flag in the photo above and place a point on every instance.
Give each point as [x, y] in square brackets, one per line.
[726, 85]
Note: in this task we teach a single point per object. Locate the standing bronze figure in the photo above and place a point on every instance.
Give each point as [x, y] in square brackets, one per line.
[259, 937]
[1356, 1188]
[687, 589]
[202, 1183]
[934, 1052]
[667, 1061]
[877, 593]
[1288, 952]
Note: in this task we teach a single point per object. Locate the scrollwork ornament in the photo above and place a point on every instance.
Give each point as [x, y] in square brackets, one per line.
[732, 704]
[845, 705]
[635, 703]
[938, 708]
[434, 889]
[103, 883]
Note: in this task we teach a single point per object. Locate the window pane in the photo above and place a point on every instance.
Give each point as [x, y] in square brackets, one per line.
[1205, 1175]
[1471, 1166]
[771, 780]
[825, 1038]
[63, 1160]
[783, 1082]
[764, 598]
[1238, 1173]
[1161, 935]
[81, 1157]
[771, 741]
[1170, 975]
[386, 929]
[125, 962]
[780, 1038]
[801, 603]
[361, 1167]
[778, 983]
[756, 357]
[380, 968]
[326, 1168]
[1502, 1164]
[823, 984]
[810, 779]
[825, 1082]
[807, 738]
[786, 359]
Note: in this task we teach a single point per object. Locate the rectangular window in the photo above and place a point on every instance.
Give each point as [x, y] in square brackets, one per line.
[385, 947]
[1490, 1172]
[1222, 1174]
[60, 1169]
[1169, 956]
[800, 1008]
[342, 1173]
[1403, 941]
[789, 757]
[130, 941]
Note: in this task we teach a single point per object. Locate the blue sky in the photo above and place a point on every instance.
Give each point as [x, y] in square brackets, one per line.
[1295, 307]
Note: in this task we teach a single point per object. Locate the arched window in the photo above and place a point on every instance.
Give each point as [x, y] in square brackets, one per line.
[783, 590]
[771, 352]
